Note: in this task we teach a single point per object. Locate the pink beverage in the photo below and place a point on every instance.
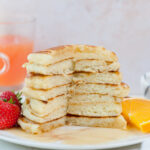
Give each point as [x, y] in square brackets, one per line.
[16, 48]
[16, 42]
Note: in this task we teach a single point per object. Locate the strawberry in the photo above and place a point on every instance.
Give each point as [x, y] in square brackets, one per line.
[9, 114]
[8, 95]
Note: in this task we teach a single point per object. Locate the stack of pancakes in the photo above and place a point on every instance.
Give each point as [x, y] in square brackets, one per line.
[80, 82]
[46, 87]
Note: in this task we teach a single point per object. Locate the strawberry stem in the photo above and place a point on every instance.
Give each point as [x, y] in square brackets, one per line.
[5, 100]
[18, 94]
[11, 101]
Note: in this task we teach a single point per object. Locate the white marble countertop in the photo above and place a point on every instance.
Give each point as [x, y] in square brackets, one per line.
[10, 146]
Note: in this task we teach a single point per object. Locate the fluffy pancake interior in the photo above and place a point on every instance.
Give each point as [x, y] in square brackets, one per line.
[58, 111]
[64, 67]
[36, 128]
[120, 90]
[94, 98]
[47, 82]
[94, 108]
[107, 77]
[45, 95]
[42, 108]
[94, 65]
[104, 122]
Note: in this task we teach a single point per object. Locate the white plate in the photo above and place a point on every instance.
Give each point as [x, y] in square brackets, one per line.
[9, 137]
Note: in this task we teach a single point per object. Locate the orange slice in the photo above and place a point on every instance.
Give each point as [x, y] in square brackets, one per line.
[126, 109]
[137, 112]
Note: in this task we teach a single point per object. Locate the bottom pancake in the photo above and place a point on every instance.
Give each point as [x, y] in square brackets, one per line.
[36, 128]
[103, 122]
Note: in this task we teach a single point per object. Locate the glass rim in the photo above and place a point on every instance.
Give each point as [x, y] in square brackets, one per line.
[16, 19]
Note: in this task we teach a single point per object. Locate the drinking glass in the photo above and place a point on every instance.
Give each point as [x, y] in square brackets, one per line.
[16, 42]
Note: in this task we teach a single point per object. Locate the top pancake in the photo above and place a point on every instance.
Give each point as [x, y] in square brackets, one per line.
[77, 52]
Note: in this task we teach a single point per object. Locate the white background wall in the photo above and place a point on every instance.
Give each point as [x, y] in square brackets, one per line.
[119, 25]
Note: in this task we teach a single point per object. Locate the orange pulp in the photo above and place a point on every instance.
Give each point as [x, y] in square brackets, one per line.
[137, 112]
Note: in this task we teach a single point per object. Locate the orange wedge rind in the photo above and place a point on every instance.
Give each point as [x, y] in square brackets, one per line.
[137, 112]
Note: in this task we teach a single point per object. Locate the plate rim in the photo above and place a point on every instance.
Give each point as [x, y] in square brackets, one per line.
[34, 144]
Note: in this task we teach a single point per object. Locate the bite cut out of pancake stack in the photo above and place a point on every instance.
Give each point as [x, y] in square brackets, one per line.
[75, 85]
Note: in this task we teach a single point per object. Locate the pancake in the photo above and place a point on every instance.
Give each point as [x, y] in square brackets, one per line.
[62, 67]
[41, 108]
[79, 82]
[94, 108]
[45, 95]
[77, 52]
[57, 109]
[119, 90]
[94, 98]
[94, 65]
[103, 122]
[107, 77]
[47, 82]
[36, 128]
